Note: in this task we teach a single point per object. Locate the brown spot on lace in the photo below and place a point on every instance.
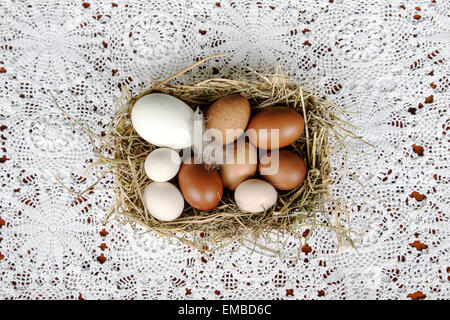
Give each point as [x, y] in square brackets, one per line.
[306, 249]
[321, 293]
[418, 295]
[2, 222]
[2, 70]
[290, 292]
[79, 178]
[188, 291]
[418, 245]
[417, 16]
[3, 159]
[429, 99]
[304, 31]
[418, 150]
[103, 246]
[86, 5]
[2, 256]
[418, 196]
[104, 233]
[101, 258]
[78, 201]
[412, 110]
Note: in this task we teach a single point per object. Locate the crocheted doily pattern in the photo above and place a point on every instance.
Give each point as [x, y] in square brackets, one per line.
[385, 62]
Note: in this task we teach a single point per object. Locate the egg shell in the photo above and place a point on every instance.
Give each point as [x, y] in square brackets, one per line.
[163, 200]
[241, 161]
[285, 170]
[201, 187]
[289, 122]
[162, 164]
[229, 112]
[164, 121]
[255, 195]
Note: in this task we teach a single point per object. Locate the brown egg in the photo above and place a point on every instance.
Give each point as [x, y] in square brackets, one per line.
[201, 187]
[229, 112]
[288, 121]
[285, 171]
[241, 161]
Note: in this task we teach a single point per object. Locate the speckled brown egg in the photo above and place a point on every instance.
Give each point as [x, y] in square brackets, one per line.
[201, 187]
[229, 112]
[241, 160]
[285, 170]
[290, 125]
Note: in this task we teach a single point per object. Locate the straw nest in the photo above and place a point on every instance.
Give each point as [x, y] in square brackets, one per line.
[209, 230]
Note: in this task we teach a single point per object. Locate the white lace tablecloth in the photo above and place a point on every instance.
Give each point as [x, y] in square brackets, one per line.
[386, 62]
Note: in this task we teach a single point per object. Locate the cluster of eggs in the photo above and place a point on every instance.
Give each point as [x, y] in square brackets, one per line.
[167, 122]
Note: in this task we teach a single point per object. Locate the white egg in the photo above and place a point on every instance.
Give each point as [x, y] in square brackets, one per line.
[163, 200]
[162, 164]
[255, 195]
[164, 121]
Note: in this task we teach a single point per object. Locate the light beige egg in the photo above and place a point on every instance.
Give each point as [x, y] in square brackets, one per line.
[255, 195]
[163, 200]
[162, 164]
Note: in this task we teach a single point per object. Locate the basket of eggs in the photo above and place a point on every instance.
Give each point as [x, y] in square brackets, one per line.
[221, 160]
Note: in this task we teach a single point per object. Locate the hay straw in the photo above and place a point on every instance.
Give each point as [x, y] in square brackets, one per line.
[213, 229]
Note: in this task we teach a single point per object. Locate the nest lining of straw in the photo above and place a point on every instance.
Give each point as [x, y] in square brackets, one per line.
[227, 223]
